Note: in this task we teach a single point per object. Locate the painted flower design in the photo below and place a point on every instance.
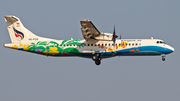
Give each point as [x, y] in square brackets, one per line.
[123, 44]
[26, 47]
[101, 47]
[53, 50]
[15, 47]
[109, 49]
[46, 52]
[20, 44]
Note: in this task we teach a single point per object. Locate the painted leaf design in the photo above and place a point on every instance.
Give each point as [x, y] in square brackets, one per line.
[32, 47]
[64, 41]
[38, 42]
[52, 42]
[76, 43]
[33, 43]
[41, 47]
[43, 43]
[72, 50]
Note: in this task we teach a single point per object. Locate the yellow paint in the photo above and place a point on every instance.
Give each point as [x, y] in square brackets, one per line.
[53, 50]
[46, 52]
[26, 47]
[20, 44]
[15, 47]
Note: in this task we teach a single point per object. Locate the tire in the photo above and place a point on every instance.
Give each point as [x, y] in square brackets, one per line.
[163, 59]
[95, 58]
[97, 62]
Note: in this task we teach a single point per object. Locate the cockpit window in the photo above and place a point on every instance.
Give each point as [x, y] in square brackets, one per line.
[160, 42]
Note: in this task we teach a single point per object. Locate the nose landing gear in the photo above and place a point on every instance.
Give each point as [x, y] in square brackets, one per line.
[96, 58]
[163, 57]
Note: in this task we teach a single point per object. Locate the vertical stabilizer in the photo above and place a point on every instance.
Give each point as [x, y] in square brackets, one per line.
[18, 33]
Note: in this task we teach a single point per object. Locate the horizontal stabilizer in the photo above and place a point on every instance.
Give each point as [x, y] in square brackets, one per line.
[11, 19]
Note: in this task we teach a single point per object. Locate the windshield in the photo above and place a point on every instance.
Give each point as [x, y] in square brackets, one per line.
[160, 42]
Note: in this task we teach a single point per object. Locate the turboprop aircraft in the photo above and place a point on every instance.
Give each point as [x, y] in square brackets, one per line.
[96, 45]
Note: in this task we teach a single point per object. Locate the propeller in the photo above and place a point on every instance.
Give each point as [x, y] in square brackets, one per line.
[114, 37]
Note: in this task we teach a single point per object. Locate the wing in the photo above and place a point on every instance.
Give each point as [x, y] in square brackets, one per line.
[88, 29]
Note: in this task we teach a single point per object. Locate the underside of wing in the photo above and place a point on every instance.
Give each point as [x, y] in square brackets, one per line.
[88, 29]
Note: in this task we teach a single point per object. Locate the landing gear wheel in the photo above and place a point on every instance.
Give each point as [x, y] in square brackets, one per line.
[97, 62]
[163, 58]
[96, 57]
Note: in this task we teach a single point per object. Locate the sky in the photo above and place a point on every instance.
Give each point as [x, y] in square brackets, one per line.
[30, 77]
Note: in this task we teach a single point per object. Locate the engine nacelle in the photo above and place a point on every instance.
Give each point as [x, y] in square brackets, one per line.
[105, 37]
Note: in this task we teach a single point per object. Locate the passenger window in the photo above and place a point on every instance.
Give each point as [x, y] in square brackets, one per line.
[116, 44]
[67, 45]
[105, 44]
[112, 44]
[64, 45]
[132, 44]
[98, 44]
[84, 44]
[102, 44]
[161, 42]
[139, 44]
[95, 44]
[60, 45]
[158, 42]
[70, 44]
[88, 44]
[129, 44]
[136, 44]
[109, 44]
[74, 45]
[91, 44]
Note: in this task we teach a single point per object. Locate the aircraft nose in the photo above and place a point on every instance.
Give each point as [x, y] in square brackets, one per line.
[172, 49]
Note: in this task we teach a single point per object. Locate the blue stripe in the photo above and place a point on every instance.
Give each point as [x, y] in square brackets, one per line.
[18, 32]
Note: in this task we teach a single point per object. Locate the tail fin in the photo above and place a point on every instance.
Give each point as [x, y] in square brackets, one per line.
[17, 31]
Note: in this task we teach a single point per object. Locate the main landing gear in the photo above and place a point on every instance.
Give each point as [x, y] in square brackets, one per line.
[96, 58]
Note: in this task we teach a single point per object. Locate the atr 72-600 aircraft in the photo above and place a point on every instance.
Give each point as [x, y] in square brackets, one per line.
[95, 45]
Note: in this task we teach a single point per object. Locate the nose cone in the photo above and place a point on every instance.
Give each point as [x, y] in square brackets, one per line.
[171, 49]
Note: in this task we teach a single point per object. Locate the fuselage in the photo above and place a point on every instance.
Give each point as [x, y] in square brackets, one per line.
[83, 48]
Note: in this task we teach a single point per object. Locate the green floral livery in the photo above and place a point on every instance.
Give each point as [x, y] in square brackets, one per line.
[56, 49]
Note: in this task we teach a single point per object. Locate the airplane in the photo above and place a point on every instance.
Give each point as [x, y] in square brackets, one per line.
[95, 45]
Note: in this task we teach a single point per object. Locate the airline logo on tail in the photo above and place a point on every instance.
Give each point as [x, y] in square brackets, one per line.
[18, 34]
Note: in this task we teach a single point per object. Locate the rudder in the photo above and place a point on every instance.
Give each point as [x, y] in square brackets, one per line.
[18, 33]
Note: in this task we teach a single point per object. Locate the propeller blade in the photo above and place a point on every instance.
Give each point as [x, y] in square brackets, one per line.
[114, 37]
